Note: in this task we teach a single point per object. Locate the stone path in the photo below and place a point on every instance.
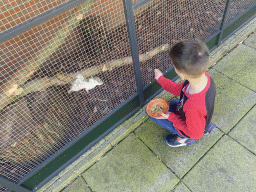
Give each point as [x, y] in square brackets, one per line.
[224, 160]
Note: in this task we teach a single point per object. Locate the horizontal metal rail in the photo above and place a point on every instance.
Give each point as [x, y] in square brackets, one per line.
[240, 18]
[71, 143]
[46, 16]
[9, 184]
[139, 3]
[39, 19]
[69, 5]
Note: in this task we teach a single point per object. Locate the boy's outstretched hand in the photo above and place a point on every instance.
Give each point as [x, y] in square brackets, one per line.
[158, 73]
[164, 116]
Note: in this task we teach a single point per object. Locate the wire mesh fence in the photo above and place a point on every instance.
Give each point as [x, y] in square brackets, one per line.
[2, 188]
[45, 98]
[237, 7]
[61, 77]
[164, 23]
[15, 12]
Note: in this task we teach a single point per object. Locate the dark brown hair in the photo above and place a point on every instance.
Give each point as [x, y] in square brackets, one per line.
[190, 57]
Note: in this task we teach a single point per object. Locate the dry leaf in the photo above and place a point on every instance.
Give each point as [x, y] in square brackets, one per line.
[18, 91]
[14, 144]
[79, 17]
[104, 68]
[30, 73]
[9, 151]
[12, 89]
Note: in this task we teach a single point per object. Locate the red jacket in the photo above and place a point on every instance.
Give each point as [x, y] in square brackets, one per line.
[194, 111]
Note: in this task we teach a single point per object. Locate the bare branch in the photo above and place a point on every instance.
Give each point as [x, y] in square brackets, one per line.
[62, 78]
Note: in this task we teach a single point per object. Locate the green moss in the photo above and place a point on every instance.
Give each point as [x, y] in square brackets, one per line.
[130, 166]
[226, 167]
[244, 131]
[78, 185]
[181, 159]
[240, 65]
[232, 102]
[251, 40]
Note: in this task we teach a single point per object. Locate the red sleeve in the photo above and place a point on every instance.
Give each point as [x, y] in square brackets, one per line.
[194, 124]
[170, 86]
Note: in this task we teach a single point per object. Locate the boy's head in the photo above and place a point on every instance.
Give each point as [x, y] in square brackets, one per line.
[190, 57]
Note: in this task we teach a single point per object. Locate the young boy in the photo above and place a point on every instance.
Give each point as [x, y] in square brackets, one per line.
[189, 117]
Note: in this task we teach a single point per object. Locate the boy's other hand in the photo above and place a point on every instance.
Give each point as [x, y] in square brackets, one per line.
[164, 116]
[158, 73]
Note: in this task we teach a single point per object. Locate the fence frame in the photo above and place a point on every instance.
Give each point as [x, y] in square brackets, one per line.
[9, 184]
[39, 176]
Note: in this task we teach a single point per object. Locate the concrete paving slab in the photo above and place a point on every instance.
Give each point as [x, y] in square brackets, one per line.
[181, 159]
[239, 64]
[228, 167]
[251, 40]
[78, 185]
[244, 131]
[180, 188]
[232, 102]
[78, 167]
[130, 166]
[232, 41]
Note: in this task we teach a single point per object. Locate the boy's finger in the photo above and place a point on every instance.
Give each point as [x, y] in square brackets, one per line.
[166, 115]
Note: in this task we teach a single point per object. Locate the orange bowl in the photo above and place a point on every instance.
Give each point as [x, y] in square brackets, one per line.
[156, 106]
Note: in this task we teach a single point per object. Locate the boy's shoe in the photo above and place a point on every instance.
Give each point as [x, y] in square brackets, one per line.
[176, 141]
[209, 129]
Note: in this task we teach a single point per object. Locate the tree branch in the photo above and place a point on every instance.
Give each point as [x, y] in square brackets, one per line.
[31, 66]
[62, 79]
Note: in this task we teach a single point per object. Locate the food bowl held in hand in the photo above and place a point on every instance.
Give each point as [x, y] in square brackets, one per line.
[156, 107]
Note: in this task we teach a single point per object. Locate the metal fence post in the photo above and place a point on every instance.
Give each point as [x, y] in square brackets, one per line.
[7, 183]
[129, 17]
[224, 19]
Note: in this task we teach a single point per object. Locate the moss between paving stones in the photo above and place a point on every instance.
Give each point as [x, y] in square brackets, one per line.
[232, 41]
[226, 167]
[218, 53]
[251, 40]
[180, 188]
[130, 166]
[240, 65]
[130, 125]
[244, 132]
[93, 152]
[181, 159]
[78, 185]
[122, 131]
[79, 167]
[232, 102]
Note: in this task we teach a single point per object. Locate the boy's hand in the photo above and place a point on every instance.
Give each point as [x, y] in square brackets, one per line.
[158, 73]
[164, 116]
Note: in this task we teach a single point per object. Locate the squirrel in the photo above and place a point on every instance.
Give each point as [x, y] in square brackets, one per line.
[80, 84]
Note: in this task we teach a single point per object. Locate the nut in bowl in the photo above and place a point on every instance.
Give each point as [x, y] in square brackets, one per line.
[156, 107]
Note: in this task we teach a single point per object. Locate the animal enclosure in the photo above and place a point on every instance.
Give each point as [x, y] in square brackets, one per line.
[72, 70]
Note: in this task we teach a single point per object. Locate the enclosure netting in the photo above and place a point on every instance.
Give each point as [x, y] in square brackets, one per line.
[2, 188]
[15, 12]
[237, 7]
[160, 23]
[58, 79]
[62, 76]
